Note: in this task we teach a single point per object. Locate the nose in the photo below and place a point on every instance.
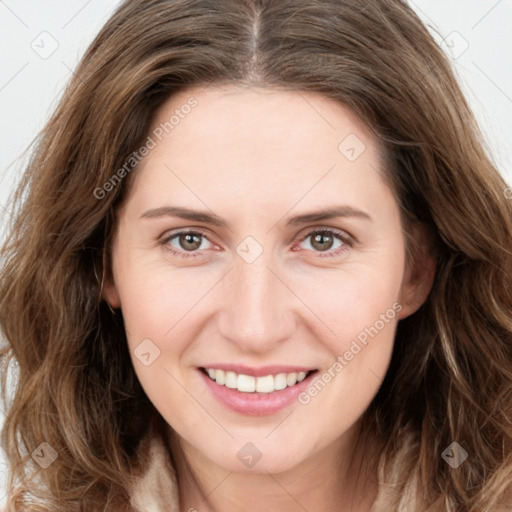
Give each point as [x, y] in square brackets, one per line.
[257, 313]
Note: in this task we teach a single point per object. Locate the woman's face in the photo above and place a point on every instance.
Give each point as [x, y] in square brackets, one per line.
[293, 269]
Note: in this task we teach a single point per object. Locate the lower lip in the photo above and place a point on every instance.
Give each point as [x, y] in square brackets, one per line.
[256, 404]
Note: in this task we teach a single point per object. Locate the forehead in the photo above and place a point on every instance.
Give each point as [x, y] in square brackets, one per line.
[258, 144]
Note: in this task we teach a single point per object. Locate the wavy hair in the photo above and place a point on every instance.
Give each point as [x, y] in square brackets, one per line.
[450, 377]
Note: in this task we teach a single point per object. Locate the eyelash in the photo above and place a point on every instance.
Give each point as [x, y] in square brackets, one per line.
[347, 241]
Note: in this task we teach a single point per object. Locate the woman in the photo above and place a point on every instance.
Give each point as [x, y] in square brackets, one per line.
[261, 260]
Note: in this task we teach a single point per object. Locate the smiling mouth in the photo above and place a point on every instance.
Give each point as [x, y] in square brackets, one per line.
[250, 384]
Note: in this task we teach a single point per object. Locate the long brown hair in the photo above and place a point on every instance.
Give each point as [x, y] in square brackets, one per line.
[450, 377]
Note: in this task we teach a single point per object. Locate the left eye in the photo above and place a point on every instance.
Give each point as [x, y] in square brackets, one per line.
[327, 241]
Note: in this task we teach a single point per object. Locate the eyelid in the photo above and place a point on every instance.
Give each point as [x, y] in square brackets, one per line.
[169, 235]
[307, 231]
[343, 235]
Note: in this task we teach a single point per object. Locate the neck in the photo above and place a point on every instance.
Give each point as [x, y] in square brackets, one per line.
[342, 477]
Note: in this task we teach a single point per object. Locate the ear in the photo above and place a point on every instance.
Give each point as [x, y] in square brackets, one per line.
[108, 288]
[420, 269]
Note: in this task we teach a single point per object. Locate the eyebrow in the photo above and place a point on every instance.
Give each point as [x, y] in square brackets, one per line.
[215, 220]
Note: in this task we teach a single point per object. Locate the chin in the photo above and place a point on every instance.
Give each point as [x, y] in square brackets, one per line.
[257, 457]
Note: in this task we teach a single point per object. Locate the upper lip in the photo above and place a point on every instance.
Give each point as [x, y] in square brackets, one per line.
[262, 371]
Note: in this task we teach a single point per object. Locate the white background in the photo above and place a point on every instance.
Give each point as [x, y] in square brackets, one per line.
[476, 34]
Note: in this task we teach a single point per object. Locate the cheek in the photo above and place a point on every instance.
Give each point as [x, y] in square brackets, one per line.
[156, 301]
[350, 300]
[163, 312]
[360, 352]
[360, 306]
[158, 311]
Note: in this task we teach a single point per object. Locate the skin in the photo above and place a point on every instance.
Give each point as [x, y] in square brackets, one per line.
[257, 157]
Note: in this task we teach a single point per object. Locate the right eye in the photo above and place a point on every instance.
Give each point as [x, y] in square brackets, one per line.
[183, 242]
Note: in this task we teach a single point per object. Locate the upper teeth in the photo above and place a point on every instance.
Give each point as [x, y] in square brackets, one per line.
[250, 384]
